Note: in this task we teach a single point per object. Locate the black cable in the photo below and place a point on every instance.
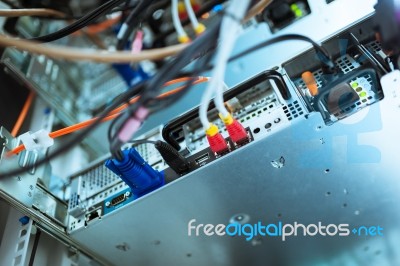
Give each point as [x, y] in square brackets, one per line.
[138, 90]
[80, 23]
[131, 22]
[171, 156]
[141, 141]
[204, 42]
[206, 7]
[166, 102]
[79, 136]
[71, 17]
[322, 54]
[35, 246]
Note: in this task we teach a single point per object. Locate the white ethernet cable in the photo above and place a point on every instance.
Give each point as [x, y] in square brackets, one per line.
[197, 27]
[229, 28]
[182, 36]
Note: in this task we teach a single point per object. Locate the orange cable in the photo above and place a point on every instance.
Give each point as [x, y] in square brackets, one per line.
[114, 113]
[102, 26]
[23, 114]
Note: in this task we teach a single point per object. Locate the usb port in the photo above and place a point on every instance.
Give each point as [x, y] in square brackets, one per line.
[202, 159]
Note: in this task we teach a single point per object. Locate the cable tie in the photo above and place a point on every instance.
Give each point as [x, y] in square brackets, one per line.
[37, 140]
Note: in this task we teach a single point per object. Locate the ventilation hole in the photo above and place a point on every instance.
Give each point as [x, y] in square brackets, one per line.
[277, 120]
[279, 215]
[268, 125]
[20, 246]
[23, 232]
[328, 193]
[256, 130]
[344, 205]
[188, 255]
[327, 171]
[17, 260]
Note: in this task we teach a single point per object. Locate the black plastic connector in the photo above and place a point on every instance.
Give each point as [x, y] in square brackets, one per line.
[172, 157]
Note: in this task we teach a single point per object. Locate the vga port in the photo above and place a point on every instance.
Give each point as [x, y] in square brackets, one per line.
[118, 199]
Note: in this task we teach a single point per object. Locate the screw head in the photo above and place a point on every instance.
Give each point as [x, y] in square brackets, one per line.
[127, 194]
[108, 204]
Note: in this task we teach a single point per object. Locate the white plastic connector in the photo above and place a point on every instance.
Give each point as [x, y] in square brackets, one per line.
[37, 140]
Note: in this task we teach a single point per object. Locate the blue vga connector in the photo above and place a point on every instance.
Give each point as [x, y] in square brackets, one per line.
[136, 172]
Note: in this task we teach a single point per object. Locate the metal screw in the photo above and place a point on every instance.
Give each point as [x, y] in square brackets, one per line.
[108, 204]
[127, 194]
[123, 246]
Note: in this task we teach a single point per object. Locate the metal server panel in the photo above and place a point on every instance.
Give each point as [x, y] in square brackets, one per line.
[316, 163]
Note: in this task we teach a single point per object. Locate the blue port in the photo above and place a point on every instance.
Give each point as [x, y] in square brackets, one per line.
[118, 200]
[136, 173]
[131, 76]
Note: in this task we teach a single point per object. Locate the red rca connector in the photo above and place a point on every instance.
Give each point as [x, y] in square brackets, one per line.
[236, 131]
[216, 140]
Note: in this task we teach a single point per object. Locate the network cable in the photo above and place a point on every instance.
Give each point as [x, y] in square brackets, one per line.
[37, 12]
[182, 36]
[138, 112]
[114, 114]
[197, 27]
[230, 25]
[80, 23]
[131, 22]
[322, 54]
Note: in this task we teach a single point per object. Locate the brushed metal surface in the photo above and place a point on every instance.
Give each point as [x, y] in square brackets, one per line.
[344, 173]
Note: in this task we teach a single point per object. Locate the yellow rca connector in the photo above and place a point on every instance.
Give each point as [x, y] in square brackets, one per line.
[310, 82]
[212, 130]
[181, 7]
[228, 120]
[216, 140]
[183, 39]
[236, 131]
[200, 29]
